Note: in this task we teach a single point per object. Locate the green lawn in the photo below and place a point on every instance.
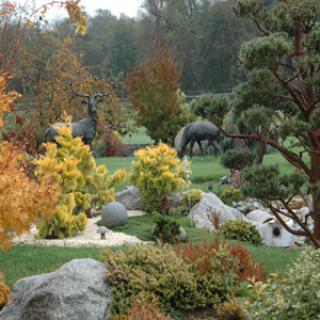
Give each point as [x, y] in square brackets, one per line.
[139, 136]
[23, 261]
[204, 169]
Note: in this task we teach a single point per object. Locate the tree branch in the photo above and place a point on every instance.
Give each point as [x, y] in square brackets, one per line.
[291, 157]
[262, 29]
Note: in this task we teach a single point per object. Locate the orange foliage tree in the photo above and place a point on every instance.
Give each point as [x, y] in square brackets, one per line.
[15, 20]
[22, 200]
[154, 91]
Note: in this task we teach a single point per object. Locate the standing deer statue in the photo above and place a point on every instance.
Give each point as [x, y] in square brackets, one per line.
[196, 132]
[86, 128]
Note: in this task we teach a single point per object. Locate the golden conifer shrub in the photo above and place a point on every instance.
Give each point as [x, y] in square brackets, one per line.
[157, 172]
[84, 185]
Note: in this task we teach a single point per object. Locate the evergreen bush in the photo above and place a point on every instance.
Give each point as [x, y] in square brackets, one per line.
[157, 172]
[84, 185]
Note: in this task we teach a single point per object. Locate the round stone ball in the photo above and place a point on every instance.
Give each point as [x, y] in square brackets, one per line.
[114, 214]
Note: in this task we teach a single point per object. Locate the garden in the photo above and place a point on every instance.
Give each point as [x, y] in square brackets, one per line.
[123, 197]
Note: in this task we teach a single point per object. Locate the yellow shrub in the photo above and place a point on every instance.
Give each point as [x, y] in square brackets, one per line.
[84, 185]
[4, 292]
[157, 173]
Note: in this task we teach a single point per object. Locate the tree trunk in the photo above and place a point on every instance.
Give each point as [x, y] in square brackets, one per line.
[315, 185]
[260, 153]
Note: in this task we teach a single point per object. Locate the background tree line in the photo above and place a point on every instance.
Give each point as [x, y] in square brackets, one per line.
[202, 36]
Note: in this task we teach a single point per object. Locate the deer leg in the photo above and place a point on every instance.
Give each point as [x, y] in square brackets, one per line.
[191, 148]
[201, 148]
[216, 146]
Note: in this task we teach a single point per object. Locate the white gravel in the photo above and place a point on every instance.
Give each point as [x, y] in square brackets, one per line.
[88, 238]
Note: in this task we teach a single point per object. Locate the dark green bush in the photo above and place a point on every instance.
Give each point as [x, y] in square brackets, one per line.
[242, 231]
[237, 159]
[165, 229]
[230, 195]
[293, 295]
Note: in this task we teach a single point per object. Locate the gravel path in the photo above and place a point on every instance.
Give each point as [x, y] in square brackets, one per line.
[88, 238]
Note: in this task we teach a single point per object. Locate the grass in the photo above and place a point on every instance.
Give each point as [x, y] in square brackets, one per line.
[141, 228]
[205, 170]
[139, 136]
[23, 261]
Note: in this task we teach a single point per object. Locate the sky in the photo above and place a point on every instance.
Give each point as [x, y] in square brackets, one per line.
[128, 7]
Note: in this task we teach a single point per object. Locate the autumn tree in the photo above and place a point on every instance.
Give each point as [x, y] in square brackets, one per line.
[282, 106]
[22, 200]
[154, 91]
[15, 19]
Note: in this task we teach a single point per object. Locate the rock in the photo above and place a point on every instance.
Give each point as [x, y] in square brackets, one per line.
[76, 291]
[114, 214]
[259, 216]
[209, 201]
[249, 205]
[130, 197]
[297, 203]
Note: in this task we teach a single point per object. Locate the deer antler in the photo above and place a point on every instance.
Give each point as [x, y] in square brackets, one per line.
[76, 94]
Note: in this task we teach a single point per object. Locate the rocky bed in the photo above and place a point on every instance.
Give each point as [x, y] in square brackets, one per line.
[88, 238]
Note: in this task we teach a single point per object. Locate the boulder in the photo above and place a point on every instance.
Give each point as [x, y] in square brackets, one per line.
[259, 216]
[210, 202]
[130, 197]
[249, 205]
[76, 291]
[114, 214]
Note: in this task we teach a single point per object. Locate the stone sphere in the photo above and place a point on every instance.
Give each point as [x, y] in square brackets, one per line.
[114, 214]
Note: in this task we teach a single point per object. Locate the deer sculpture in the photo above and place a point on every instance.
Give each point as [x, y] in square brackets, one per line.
[86, 128]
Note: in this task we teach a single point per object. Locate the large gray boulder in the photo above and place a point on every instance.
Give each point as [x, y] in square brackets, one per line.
[114, 214]
[260, 216]
[130, 197]
[76, 291]
[210, 202]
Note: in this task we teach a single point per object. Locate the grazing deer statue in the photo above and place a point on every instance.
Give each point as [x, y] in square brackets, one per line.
[86, 128]
[196, 132]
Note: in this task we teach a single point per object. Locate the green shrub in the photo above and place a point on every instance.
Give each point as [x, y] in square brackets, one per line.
[237, 159]
[165, 229]
[230, 195]
[294, 295]
[174, 280]
[242, 231]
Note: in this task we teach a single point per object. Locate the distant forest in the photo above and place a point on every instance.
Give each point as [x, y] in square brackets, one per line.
[202, 36]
